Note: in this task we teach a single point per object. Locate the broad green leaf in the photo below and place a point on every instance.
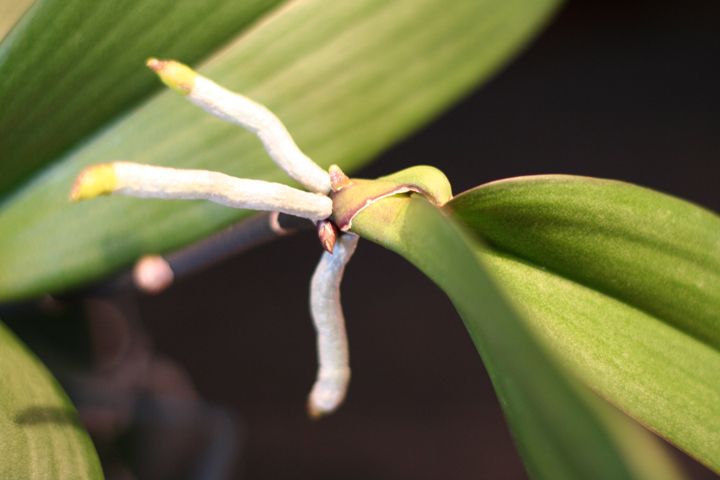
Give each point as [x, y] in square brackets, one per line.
[72, 65]
[653, 251]
[621, 282]
[40, 432]
[348, 78]
[558, 434]
[655, 373]
[10, 12]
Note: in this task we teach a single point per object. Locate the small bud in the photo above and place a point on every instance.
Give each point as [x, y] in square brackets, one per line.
[338, 179]
[327, 232]
[175, 75]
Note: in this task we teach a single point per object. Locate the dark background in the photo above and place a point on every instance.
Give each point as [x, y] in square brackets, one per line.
[624, 90]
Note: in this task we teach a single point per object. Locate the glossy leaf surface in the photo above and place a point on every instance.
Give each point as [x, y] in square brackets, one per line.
[653, 251]
[622, 282]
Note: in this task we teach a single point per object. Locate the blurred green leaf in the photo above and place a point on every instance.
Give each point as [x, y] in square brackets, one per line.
[72, 65]
[40, 432]
[623, 283]
[348, 78]
[558, 434]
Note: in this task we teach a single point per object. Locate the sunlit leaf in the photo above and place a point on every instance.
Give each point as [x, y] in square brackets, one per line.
[624, 285]
[653, 251]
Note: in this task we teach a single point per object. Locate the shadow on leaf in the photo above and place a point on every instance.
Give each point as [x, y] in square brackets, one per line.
[39, 415]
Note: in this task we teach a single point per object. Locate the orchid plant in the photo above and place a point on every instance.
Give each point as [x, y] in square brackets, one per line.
[169, 183]
[577, 292]
[326, 204]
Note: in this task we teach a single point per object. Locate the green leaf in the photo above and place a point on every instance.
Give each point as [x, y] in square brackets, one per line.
[653, 251]
[72, 65]
[642, 450]
[40, 431]
[558, 434]
[623, 284]
[348, 79]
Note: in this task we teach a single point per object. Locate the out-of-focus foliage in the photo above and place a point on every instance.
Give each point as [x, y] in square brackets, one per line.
[10, 11]
[40, 432]
[348, 79]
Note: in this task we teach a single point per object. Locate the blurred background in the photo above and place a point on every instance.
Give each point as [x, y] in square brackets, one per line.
[209, 378]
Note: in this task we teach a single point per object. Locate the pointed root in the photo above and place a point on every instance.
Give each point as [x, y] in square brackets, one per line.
[175, 75]
[94, 181]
